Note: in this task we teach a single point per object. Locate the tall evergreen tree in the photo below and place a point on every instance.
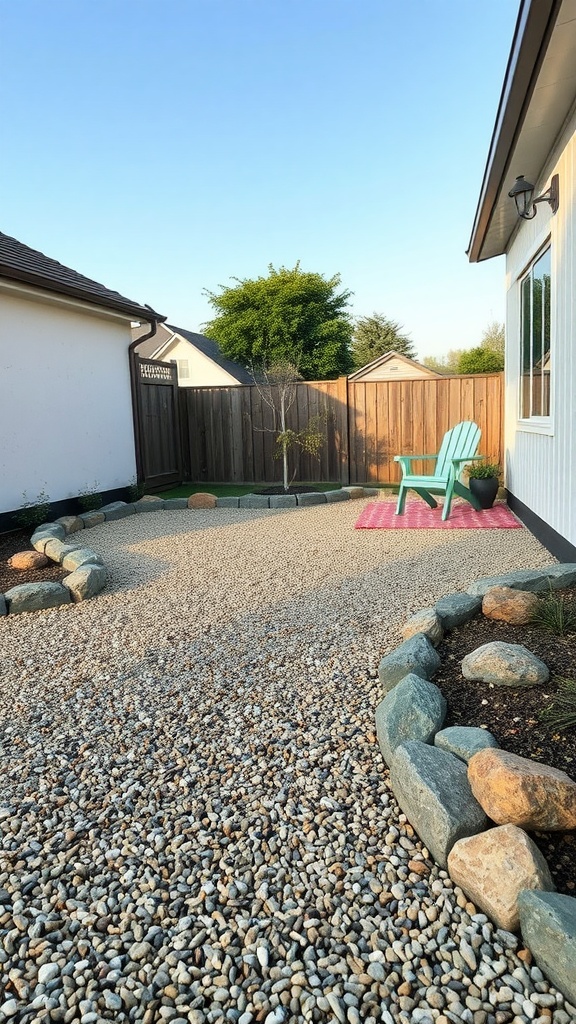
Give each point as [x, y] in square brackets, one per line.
[375, 335]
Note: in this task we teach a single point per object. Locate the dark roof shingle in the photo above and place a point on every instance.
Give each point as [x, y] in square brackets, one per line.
[19, 262]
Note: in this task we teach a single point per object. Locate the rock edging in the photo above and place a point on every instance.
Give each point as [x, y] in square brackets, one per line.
[432, 773]
[87, 571]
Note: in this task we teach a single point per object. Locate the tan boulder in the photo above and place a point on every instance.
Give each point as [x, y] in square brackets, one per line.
[202, 500]
[424, 621]
[28, 560]
[493, 868]
[518, 791]
[508, 605]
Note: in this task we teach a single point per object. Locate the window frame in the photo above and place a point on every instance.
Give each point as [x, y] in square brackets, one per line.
[534, 424]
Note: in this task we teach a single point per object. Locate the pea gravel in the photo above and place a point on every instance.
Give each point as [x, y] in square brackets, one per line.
[195, 820]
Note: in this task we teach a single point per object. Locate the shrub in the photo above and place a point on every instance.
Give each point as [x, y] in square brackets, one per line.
[483, 470]
[33, 513]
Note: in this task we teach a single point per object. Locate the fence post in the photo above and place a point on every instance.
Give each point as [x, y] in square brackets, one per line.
[344, 429]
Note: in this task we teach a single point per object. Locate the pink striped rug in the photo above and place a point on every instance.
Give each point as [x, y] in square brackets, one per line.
[381, 515]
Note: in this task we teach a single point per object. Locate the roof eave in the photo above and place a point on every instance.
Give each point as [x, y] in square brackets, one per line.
[532, 33]
[132, 310]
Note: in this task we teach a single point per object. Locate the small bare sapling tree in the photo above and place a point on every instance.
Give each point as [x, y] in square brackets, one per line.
[277, 385]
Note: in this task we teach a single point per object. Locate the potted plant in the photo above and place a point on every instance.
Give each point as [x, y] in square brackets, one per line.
[483, 480]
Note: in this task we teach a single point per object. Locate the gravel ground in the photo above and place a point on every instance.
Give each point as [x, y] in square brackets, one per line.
[196, 822]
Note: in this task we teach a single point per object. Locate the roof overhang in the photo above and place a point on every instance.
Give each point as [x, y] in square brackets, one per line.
[129, 310]
[537, 97]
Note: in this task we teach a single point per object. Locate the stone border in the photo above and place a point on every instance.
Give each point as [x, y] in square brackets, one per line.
[87, 570]
[429, 773]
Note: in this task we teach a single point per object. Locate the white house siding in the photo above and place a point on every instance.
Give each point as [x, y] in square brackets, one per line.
[203, 372]
[540, 469]
[395, 369]
[65, 401]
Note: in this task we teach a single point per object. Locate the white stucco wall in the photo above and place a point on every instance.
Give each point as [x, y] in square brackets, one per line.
[540, 463]
[65, 401]
[203, 372]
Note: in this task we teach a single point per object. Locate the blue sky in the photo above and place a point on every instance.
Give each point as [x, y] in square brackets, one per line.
[165, 146]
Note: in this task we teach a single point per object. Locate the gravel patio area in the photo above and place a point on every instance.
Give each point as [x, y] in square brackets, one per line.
[195, 819]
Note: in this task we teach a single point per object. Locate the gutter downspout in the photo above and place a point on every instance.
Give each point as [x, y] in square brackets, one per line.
[134, 391]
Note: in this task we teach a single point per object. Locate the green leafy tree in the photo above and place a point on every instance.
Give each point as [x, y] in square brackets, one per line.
[374, 336]
[445, 364]
[289, 316]
[493, 337]
[480, 360]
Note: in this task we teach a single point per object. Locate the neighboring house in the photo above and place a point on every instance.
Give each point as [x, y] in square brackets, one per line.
[66, 423]
[392, 366]
[535, 136]
[199, 359]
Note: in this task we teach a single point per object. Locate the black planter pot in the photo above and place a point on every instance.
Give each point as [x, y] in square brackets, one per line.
[484, 491]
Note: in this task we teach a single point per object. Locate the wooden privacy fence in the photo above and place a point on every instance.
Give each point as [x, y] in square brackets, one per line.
[227, 432]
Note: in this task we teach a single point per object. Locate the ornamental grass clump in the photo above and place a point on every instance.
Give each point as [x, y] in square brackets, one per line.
[561, 714]
[555, 615]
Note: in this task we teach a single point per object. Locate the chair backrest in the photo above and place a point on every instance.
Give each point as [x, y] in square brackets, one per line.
[459, 443]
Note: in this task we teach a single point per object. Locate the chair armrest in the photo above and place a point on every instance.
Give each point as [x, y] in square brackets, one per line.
[469, 458]
[398, 458]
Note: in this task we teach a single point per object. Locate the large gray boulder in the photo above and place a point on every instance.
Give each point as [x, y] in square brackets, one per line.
[505, 665]
[227, 502]
[254, 501]
[337, 495]
[85, 582]
[548, 923]
[432, 789]
[57, 550]
[464, 740]
[283, 501]
[45, 533]
[414, 710]
[3, 606]
[33, 597]
[92, 518]
[454, 609]
[174, 503]
[312, 498]
[562, 575]
[414, 655]
[520, 579]
[117, 510]
[149, 503]
[81, 556]
[71, 524]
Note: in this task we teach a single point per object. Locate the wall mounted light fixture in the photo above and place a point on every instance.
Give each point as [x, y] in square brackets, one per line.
[522, 193]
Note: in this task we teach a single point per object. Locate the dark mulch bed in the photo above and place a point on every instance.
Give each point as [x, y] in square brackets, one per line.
[298, 489]
[10, 544]
[513, 715]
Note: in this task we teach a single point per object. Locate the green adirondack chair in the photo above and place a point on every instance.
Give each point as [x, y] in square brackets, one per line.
[458, 447]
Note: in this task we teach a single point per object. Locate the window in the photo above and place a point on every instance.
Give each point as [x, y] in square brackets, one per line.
[183, 370]
[535, 340]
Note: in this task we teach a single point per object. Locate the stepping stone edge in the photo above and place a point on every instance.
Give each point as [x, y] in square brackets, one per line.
[429, 790]
[87, 571]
